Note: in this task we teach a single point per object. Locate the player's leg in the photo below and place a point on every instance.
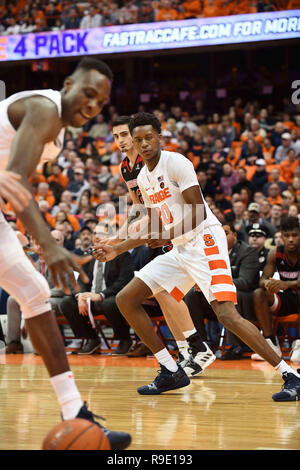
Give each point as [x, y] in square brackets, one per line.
[195, 355]
[249, 334]
[129, 301]
[266, 305]
[19, 278]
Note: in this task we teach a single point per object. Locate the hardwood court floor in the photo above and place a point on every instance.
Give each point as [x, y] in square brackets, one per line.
[230, 407]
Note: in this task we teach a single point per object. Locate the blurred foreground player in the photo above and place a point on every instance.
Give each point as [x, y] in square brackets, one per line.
[32, 130]
[200, 256]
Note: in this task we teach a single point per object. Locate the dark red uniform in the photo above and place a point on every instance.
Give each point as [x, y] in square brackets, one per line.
[288, 299]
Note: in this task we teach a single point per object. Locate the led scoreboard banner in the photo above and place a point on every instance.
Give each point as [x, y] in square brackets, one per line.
[153, 36]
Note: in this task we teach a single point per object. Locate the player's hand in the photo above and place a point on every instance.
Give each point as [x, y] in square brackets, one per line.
[104, 252]
[274, 285]
[13, 191]
[155, 240]
[62, 266]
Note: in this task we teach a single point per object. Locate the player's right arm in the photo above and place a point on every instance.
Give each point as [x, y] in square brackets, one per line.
[13, 191]
[40, 124]
[269, 269]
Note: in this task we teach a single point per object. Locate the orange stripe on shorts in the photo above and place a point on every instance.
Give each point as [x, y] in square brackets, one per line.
[226, 296]
[217, 264]
[212, 250]
[177, 294]
[221, 279]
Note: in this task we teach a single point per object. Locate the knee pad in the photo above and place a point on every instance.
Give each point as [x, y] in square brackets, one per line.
[28, 287]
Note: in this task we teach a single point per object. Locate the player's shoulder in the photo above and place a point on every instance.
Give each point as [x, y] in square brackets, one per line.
[173, 159]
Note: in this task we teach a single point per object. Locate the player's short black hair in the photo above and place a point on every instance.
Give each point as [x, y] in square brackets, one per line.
[90, 63]
[290, 223]
[145, 119]
[120, 121]
[230, 225]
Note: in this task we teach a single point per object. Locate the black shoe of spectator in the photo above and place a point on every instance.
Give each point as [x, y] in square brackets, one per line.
[235, 353]
[90, 347]
[140, 351]
[123, 346]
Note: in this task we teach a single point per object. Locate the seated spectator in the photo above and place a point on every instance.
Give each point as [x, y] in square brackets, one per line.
[275, 216]
[243, 182]
[45, 194]
[92, 19]
[46, 214]
[265, 209]
[220, 154]
[245, 275]
[255, 217]
[280, 297]
[260, 177]
[166, 12]
[257, 236]
[287, 200]
[255, 132]
[185, 122]
[51, 14]
[293, 211]
[108, 279]
[168, 143]
[211, 8]
[276, 134]
[128, 14]
[145, 12]
[274, 196]
[64, 214]
[191, 9]
[99, 129]
[281, 152]
[67, 197]
[251, 151]
[229, 179]
[274, 177]
[79, 183]
[71, 20]
[288, 166]
[58, 176]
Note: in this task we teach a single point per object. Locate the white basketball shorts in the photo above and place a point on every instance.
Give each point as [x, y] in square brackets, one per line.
[203, 261]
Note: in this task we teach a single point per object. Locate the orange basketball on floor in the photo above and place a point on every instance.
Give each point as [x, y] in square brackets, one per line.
[76, 434]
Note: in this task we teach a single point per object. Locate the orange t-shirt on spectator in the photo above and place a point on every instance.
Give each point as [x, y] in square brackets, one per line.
[166, 14]
[191, 8]
[49, 198]
[287, 170]
[289, 125]
[212, 9]
[170, 147]
[275, 200]
[292, 5]
[61, 179]
[268, 154]
[241, 7]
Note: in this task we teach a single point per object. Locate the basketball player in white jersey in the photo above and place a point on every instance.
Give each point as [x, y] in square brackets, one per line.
[32, 130]
[200, 256]
[194, 355]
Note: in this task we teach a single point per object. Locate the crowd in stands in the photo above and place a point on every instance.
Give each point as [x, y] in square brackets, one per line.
[25, 16]
[247, 163]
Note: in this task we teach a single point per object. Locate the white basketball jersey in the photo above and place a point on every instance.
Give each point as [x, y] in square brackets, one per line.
[7, 132]
[162, 189]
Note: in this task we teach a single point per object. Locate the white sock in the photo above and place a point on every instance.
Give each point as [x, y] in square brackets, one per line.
[165, 358]
[67, 394]
[183, 347]
[284, 367]
[189, 333]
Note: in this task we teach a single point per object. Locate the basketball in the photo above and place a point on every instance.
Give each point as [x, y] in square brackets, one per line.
[76, 434]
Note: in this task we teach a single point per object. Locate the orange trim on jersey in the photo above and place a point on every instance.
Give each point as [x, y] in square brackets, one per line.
[212, 250]
[177, 294]
[221, 279]
[226, 296]
[217, 264]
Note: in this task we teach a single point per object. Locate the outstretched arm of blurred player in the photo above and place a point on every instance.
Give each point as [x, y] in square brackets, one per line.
[13, 191]
[41, 124]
